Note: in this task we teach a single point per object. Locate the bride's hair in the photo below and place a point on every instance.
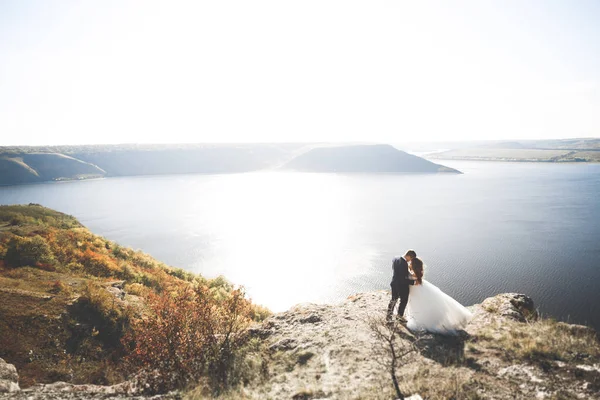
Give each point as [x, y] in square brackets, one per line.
[417, 267]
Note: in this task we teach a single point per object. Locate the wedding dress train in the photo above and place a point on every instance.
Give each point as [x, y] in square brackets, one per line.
[429, 309]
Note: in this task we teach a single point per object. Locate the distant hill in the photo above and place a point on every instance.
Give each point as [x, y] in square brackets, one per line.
[40, 167]
[363, 158]
[38, 164]
[20, 165]
[210, 160]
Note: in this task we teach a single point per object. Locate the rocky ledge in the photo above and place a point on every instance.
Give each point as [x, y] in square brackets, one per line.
[330, 352]
[9, 389]
[506, 352]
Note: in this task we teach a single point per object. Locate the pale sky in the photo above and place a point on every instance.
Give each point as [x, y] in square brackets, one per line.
[84, 72]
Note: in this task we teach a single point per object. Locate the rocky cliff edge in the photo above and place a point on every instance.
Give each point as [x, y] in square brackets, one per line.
[324, 352]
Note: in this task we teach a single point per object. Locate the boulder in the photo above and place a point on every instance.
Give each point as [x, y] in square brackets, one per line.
[511, 305]
[284, 345]
[116, 289]
[310, 319]
[9, 379]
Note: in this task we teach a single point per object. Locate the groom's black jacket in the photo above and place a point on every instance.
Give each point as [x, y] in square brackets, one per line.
[400, 279]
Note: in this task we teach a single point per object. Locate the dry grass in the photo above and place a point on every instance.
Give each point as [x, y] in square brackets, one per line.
[541, 341]
[59, 286]
[433, 382]
[203, 393]
[444, 383]
[137, 289]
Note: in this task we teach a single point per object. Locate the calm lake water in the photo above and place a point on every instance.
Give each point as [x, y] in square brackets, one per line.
[296, 237]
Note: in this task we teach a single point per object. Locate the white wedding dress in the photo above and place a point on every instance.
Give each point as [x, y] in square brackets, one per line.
[429, 309]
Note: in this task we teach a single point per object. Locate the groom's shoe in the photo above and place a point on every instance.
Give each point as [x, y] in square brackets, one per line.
[402, 320]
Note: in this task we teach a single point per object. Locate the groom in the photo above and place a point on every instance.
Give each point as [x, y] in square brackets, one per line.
[400, 285]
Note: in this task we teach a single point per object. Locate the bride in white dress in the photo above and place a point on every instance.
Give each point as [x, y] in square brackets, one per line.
[429, 309]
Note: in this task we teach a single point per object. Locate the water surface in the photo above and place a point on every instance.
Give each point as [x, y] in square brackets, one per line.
[296, 237]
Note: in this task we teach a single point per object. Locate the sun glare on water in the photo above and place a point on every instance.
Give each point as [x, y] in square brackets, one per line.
[263, 223]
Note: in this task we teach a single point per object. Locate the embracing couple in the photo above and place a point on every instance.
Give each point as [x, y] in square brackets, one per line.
[426, 307]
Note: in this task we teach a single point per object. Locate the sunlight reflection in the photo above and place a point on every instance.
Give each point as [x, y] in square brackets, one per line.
[265, 222]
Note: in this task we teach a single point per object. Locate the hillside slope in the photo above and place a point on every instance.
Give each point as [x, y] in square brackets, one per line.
[363, 159]
[14, 171]
[209, 160]
[40, 167]
[69, 299]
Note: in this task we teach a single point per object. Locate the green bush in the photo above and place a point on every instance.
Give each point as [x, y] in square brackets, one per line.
[18, 220]
[75, 267]
[144, 261]
[127, 272]
[180, 273]
[36, 215]
[24, 251]
[147, 280]
[100, 308]
[220, 282]
[120, 252]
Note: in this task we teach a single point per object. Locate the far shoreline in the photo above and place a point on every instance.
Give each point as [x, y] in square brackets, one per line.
[511, 160]
[276, 171]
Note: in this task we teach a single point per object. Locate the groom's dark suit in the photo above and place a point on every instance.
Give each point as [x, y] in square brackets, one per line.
[400, 286]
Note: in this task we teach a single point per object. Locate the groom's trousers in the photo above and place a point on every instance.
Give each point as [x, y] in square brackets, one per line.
[398, 293]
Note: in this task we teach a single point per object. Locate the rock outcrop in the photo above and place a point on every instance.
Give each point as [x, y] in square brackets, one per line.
[9, 379]
[511, 305]
[66, 391]
[327, 352]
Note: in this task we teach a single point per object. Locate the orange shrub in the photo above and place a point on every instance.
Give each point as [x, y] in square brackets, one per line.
[98, 264]
[188, 335]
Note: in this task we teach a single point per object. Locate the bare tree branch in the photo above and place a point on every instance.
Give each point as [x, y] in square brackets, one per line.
[391, 347]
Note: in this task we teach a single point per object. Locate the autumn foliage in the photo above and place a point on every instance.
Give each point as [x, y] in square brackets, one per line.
[188, 335]
[171, 326]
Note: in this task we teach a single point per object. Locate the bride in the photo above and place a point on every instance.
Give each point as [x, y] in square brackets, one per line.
[429, 309]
